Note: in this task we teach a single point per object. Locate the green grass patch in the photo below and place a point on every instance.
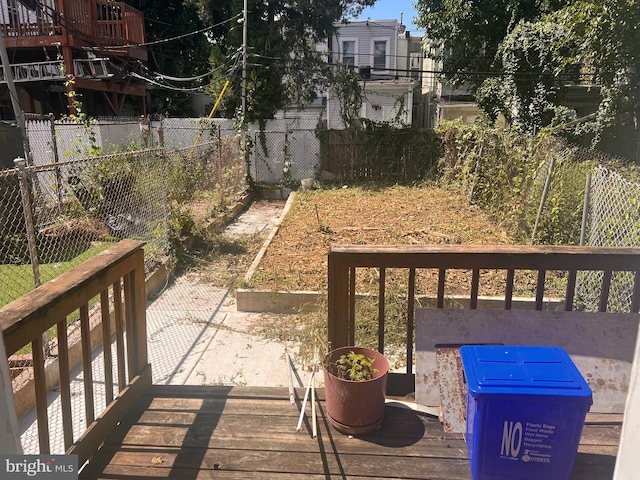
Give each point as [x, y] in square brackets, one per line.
[20, 277]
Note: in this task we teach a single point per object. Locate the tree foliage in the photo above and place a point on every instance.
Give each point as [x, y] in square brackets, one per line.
[520, 57]
[284, 67]
[608, 46]
[526, 92]
[467, 34]
[174, 50]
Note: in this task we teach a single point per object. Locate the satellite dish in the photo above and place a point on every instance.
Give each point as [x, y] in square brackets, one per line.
[30, 4]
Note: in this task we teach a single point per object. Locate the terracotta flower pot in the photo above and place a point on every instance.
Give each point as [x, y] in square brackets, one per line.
[356, 407]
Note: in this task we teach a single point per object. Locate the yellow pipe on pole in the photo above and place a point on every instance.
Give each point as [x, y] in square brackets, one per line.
[213, 110]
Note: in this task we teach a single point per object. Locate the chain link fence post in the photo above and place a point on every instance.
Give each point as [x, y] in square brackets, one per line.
[56, 160]
[21, 164]
[585, 210]
[543, 199]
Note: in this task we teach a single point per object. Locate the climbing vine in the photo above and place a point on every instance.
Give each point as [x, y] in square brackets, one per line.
[78, 116]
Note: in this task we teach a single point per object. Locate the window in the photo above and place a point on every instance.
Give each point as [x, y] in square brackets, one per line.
[380, 55]
[349, 52]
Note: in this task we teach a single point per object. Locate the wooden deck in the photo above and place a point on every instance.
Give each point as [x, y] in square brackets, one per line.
[198, 432]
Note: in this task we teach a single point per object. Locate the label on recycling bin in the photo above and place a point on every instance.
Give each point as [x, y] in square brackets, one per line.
[528, 442]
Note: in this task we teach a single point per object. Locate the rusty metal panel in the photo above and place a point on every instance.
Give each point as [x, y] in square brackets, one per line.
[453, 388]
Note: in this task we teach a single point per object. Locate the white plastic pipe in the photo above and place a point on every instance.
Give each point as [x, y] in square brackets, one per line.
[304, 402]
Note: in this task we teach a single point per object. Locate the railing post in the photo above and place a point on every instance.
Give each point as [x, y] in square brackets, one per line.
[9, 436]
[338, 302]
[136, 324]
[140, 307]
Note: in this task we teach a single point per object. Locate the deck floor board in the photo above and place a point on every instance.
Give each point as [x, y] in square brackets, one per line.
[195, 432]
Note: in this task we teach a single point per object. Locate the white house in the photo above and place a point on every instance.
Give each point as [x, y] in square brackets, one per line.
[442, 100]
[382, 52]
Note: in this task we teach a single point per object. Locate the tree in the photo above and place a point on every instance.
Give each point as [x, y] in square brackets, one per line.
[174, 51]
[527, 90]
[608, 39]
[467, 35]
[284, 67]
[519, 57]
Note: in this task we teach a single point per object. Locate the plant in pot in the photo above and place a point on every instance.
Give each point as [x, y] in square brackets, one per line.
[355, 382]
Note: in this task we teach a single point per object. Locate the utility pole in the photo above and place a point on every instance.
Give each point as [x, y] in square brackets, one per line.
[244, 60]
[244, 91]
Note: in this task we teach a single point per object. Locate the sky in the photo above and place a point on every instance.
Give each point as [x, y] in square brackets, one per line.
[390, 9]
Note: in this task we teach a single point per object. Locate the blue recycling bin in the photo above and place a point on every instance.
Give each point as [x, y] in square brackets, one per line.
[526, 407]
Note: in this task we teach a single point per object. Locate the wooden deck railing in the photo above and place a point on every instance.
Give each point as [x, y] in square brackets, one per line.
[117, 277]
[118, 23]
[343, 261]
[103, 22]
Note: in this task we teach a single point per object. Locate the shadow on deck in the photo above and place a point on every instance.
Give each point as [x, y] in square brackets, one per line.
[188, 432]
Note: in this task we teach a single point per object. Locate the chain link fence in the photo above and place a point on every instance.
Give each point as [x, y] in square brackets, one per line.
[52, 140]
[53, 217]
[538, 189]
[57, 216]
[607, 204]
[279, 155]
[614, 221]
[284, 157]
[68, 205]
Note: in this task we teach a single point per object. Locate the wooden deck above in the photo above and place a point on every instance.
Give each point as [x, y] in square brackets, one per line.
[187, 432]
[103, 25]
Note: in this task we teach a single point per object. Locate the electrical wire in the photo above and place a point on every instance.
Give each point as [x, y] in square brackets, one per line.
[478, 74]
[168, 87]
[53, 15]
[161, 76]
[178, 37]
[232, 71]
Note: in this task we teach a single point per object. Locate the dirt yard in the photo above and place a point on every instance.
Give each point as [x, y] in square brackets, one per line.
[297, 258]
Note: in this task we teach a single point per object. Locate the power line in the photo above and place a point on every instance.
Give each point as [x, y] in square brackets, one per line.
[178, 37]
[153, 81]
[184, 79]
[480, 74]
[168, 87]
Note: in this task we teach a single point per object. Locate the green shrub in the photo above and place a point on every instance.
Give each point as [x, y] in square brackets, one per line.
[505, 172]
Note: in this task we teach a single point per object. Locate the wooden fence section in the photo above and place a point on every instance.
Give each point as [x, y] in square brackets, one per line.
[344, 260]
[389, 155]
[117, 277]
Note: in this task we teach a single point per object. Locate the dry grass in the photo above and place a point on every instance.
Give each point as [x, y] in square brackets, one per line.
[297, 258]
[426, 214]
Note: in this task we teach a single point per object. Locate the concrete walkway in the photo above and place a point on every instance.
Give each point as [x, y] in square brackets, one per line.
[196, 336]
